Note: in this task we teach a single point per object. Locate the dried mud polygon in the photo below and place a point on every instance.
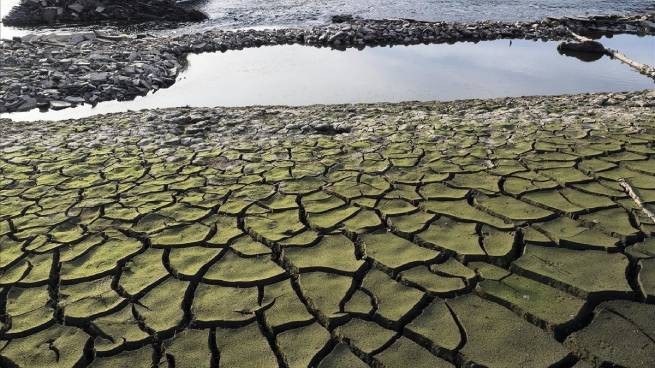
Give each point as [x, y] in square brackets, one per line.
[491, 242]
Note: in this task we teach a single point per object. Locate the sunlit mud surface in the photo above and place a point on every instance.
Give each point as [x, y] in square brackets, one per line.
[465, 233]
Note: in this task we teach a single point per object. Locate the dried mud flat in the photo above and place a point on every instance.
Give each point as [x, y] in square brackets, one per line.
[504, 233]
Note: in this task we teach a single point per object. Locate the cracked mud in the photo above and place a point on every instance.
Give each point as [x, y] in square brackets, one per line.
[471, 233]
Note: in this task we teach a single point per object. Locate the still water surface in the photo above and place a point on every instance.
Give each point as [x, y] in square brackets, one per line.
[301, 75]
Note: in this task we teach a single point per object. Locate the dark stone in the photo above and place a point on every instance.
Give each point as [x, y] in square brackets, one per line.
[583, 56]
[592, 47]
[30, 13]
[342, 18]
[49, 14]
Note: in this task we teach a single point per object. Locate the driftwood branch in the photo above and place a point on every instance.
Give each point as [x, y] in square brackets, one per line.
[614, 54]
[579, 38]
[641, 68]
[628, 189]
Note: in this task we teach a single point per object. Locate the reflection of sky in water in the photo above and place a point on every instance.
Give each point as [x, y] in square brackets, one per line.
[299, 75]
[639, 49]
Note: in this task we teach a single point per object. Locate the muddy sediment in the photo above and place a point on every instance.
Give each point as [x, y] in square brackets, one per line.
[491, 233]
[88, 67]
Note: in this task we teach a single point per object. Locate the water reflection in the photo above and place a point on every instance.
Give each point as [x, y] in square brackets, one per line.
[639, 48]
[587, 57]
[300, 75]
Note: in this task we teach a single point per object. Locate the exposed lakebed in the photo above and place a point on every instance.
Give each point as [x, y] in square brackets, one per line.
[489, 233]
[300, 75]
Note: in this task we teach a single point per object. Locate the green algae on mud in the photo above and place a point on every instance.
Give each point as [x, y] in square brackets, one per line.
[461, 233]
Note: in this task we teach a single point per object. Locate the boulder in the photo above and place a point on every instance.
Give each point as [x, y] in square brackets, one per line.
[27, 103]
[593, 47]
[34, 13]
[76, 39]
[58, 105]
[76, 7]
[49, 14]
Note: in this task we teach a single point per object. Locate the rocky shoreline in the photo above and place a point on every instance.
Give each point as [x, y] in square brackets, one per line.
[50, 12]
[266, 124]
[63, 70]
[201, 128]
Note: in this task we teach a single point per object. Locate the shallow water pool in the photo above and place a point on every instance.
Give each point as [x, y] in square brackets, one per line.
[300, 75]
